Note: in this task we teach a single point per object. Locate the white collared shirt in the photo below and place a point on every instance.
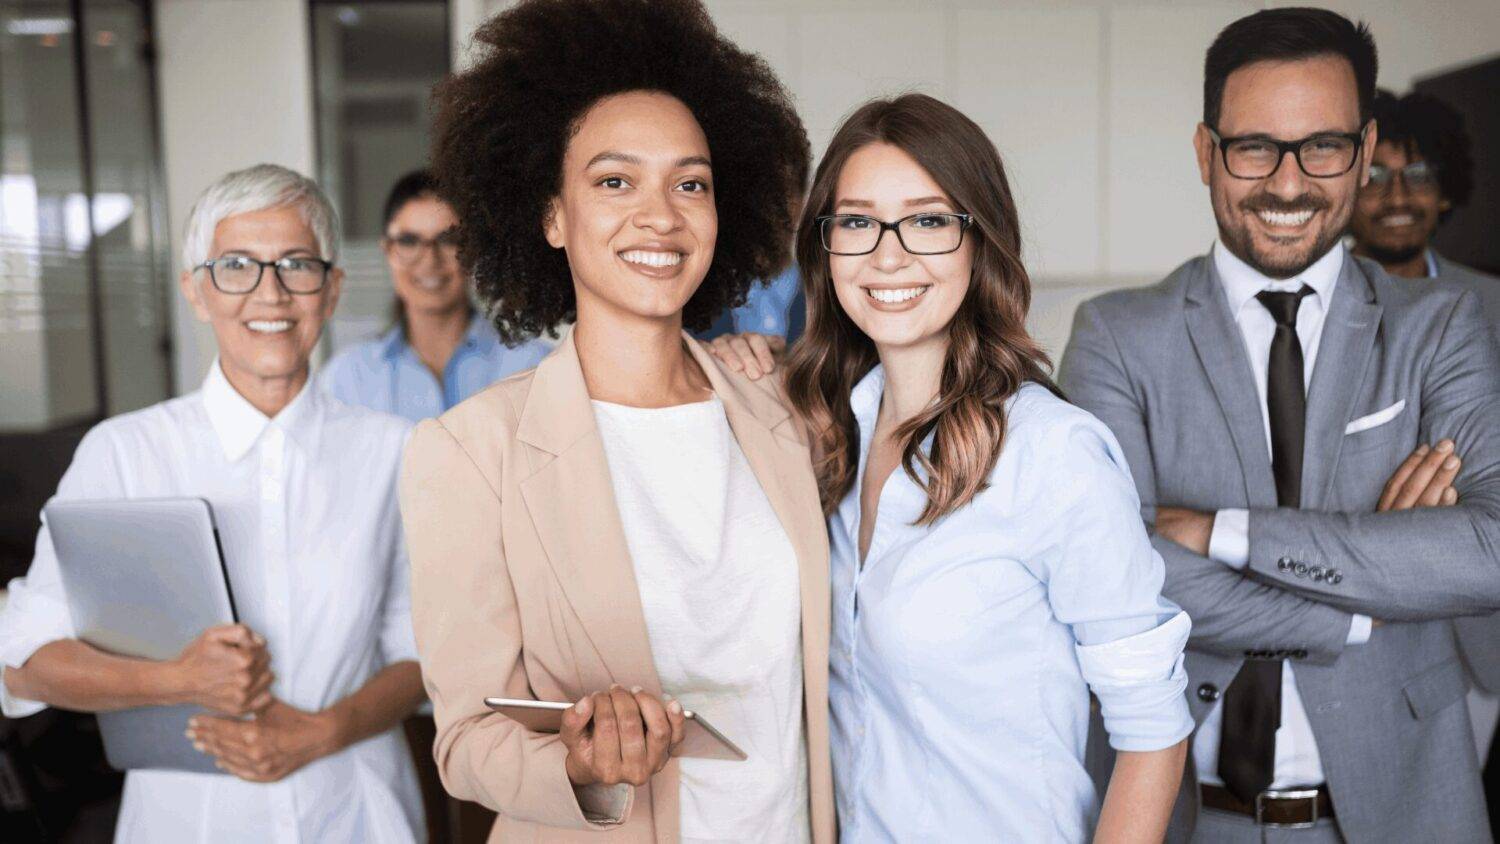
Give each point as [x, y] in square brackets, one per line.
[1297, 759]
[306, 508]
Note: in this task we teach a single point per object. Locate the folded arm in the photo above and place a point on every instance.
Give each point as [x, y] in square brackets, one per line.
[1231, 613]
[1420, 564]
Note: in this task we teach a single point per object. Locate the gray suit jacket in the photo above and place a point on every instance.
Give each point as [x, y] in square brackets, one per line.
[1478, 638]
[1166, 368]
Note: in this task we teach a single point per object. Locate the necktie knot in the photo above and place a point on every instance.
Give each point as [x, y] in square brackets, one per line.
[1283, 306]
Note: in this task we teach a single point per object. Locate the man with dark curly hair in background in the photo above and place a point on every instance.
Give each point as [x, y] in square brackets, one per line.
[628, 528]
[1421, 172]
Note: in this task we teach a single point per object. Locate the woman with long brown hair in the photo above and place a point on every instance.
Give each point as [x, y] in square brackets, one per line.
[989, 563]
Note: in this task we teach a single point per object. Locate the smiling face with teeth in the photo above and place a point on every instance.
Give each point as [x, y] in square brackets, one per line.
[1394, 225]
[635, 213]
[432, 282]
[899, 300]
[265, 337]
[1283, 223]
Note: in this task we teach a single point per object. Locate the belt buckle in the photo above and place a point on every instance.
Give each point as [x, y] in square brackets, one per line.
[1309, 794]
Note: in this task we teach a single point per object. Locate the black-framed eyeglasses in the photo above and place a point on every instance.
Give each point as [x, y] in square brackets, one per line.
[409, 246]
[928, 233]
[1418, 177]
[240, 274]
[1321, 156]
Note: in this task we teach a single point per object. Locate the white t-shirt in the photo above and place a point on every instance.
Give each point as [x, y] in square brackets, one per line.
[719, 586]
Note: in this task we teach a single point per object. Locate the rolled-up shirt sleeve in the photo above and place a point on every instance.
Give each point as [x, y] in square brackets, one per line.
[1104, 580]
[36, 607]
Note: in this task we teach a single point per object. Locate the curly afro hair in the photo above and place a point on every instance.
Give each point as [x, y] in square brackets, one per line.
[1430, 128]
[503, 126]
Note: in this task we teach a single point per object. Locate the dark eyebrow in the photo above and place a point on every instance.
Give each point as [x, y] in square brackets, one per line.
[926, 200]
[609, 155]
[856, 203]
[627, 158]
[921, 200]
[1267, 136]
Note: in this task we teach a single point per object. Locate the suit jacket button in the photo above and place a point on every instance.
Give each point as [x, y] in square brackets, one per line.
[1335, 577]
[1316, 572]
[1208, 693]
[1284, 564]
[1300, 570]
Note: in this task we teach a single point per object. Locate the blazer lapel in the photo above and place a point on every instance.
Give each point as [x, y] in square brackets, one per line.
[764, 430]
[1349, 330]
[1221, 350]
[571, 501]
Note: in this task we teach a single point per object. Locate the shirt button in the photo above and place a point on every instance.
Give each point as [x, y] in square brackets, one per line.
[1208, 693]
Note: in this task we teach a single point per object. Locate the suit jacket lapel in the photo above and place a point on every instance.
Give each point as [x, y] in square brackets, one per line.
[571, 501]
[764, 430]
[1221, 350]
[1349, 330]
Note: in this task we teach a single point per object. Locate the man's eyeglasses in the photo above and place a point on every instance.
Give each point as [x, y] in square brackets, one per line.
[409, 247]
[1321, 156]
[1418, 177]
[240, 274]
[919, 234]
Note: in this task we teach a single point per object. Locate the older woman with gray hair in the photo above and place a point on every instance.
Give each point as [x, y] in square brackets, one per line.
[303, 492]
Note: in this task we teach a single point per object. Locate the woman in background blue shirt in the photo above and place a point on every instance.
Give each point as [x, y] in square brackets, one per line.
[989, 563]
[438, 353]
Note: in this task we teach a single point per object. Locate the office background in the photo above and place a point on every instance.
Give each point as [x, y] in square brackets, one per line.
[114, 114]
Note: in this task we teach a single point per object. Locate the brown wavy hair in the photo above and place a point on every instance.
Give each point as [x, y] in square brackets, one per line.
[989, 356]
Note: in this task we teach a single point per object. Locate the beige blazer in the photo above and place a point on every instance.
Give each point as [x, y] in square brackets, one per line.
[522, 586]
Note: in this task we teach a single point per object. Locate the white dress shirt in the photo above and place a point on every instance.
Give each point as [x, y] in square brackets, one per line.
[1297, 759]
[306, 509]
[720, 592]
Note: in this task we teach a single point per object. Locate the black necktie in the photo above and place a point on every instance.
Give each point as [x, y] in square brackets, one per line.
[1252, 703]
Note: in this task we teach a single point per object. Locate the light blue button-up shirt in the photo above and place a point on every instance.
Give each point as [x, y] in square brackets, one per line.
[385, 373]
[963, 652]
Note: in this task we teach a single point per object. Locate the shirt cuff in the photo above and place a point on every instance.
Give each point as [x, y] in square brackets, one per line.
[604, 804]
[1229, 543]
[1359, 630]
[1141, 683]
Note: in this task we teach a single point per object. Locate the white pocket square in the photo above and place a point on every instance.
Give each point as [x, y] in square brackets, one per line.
[1376, 419]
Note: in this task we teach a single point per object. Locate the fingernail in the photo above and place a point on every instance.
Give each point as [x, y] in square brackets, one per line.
[190, 733]
[1450, 463]
[1423, 448]
[198, 746]
[1445, 446]
[635, 690]
[675, 706]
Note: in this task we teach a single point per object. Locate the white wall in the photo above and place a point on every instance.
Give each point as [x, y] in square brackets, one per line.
[220, 60]
[1091, 102]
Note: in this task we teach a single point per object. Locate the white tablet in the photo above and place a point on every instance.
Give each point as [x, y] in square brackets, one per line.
[700, 739]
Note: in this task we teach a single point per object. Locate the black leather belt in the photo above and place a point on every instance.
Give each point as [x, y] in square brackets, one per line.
[1294, 808]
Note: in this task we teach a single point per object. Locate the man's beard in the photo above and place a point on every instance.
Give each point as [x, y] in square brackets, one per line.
[1241, 243]
[1386, 256]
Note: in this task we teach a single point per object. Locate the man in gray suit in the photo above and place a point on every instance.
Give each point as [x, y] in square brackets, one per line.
[1268, 396]
[1422, 170]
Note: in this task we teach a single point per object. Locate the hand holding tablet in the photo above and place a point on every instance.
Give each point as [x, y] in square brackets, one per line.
[621, 735]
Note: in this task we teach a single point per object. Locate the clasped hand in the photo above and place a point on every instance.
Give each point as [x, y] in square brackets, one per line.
[277, 742]
[620, 736]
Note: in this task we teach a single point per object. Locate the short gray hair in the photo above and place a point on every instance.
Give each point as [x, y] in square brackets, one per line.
[257, 189]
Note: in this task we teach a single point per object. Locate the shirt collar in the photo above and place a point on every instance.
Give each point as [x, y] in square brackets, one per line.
[480, 334]
[392, 343]
[864, 400]
[239, 425]
[1241, 281]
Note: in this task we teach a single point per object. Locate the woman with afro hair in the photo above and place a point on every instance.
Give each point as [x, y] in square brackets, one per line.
[628, 527]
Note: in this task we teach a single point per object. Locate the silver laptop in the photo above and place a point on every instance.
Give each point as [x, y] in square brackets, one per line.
[143, 578]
